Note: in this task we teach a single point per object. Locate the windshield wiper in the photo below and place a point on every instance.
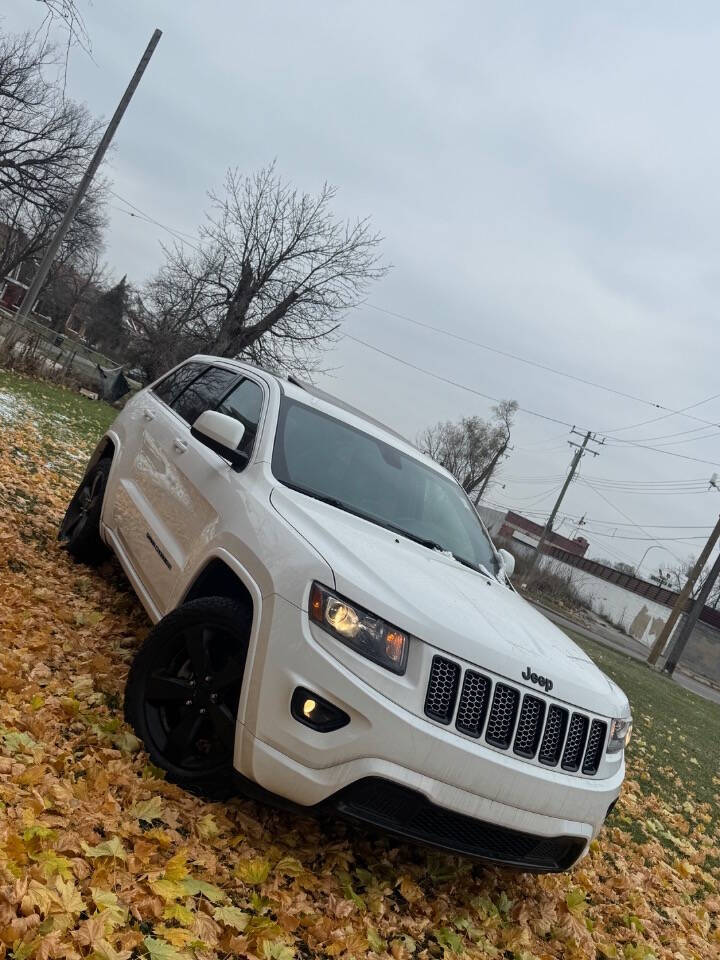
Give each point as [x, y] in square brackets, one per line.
[341, 505]
[423, 541]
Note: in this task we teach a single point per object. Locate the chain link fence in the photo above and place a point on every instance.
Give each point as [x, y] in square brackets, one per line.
[28, 344]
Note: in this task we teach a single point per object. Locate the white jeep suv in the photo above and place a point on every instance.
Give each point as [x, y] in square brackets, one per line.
[333, 624]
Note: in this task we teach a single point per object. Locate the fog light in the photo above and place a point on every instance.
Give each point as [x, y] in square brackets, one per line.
[316, 712]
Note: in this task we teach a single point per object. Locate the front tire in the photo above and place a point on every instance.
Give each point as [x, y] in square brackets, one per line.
[80, 529]
[183, 691]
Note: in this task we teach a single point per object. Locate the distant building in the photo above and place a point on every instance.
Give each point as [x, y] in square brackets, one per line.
[526, 532]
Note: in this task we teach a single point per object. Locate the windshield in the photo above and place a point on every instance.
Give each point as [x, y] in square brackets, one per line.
[335, 462]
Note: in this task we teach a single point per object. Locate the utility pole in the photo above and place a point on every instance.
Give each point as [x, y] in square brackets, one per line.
[659, 645]
[680, 642]
[33, 291]
[581, 449]
[500, 452]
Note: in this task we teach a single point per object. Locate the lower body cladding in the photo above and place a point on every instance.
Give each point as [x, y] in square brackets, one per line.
[392, 768]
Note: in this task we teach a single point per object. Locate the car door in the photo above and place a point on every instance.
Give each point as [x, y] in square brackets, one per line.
[205, 486]
[159, 512]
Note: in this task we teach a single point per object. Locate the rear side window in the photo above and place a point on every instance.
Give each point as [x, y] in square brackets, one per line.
[203, 393]
[174, 383]
[244, 403]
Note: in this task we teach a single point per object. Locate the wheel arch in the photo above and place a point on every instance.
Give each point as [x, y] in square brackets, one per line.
[108, 446]
[222, 576]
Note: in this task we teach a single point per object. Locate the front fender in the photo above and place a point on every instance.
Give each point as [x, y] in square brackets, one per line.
[109, 443]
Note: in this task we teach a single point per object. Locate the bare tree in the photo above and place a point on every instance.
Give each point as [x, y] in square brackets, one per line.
[472, 447]
[65, 14]
[46, 141]
[675, 577]
[272, 276]
[73, 288]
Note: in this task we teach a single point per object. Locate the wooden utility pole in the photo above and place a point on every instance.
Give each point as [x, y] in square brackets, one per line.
[680, 642]
[491, 469]
[581, 449]
[680, 603]
[33, 291]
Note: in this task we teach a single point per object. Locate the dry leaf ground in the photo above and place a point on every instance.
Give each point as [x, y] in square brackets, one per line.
[100, 857]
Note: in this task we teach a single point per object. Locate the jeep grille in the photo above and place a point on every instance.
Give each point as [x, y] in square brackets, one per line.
[536, 728]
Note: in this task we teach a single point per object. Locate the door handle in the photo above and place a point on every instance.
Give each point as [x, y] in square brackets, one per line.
[180, 445]
[148, 414]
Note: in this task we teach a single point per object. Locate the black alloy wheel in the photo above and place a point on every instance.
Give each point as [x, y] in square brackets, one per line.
[80, 529]
[183, 692]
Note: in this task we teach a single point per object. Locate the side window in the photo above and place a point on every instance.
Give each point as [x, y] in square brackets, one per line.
[174, 383]
[245, 404]
[203, 393]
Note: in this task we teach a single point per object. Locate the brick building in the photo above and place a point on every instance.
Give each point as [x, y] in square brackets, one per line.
[523, 531]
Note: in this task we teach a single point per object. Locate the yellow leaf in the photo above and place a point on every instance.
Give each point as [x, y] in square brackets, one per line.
[575, 900]
[410, 890]
[176, 911]
[161, 950]
[232, 917]
[147, 810]
[108, 848]
[167, 889]
[253, 871]
[608, 950]
[37, 896]
[105, 951]
[160, 836]
[108, 904]
[177, 936]
[68, 897]
[194, 888]
[206, 827]
[176, 867]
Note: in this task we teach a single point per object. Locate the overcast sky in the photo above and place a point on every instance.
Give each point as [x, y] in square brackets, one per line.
[546, 180]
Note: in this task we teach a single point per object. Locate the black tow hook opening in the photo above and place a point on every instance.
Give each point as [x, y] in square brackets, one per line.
[316, 712]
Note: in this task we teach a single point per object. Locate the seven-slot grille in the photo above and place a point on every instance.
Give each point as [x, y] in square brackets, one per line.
[534, 728]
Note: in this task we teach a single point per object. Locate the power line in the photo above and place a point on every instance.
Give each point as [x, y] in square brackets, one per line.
[453, 383]
[665, 416]
[545, 367]
[663, 526]
[634, 524]
[611, 536]
[673, 443]
[690, 481]
[532, 413]
[141, 213]
[668, 453]
[665, 436]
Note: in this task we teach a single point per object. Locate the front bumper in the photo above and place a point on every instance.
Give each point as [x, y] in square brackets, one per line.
[394, 768]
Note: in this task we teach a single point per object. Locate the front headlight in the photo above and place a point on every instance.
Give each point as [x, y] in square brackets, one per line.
[620, 733]
[361, 631]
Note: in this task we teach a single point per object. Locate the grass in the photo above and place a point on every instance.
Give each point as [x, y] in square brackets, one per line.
[676, 734]
[64, 420]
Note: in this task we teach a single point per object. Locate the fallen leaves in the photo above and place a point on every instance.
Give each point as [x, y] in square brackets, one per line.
[100, 857]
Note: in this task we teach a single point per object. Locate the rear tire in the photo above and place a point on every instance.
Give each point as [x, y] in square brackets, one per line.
[183, 691]
[80, 529]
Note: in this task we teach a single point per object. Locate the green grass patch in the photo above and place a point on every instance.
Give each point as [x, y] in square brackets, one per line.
[676, 734]
[68, 423]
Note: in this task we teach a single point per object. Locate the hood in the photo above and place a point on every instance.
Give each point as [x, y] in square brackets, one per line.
[447, 605]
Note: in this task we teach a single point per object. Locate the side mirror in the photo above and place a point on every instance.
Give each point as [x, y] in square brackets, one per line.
[222, 434]
[508, 562]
